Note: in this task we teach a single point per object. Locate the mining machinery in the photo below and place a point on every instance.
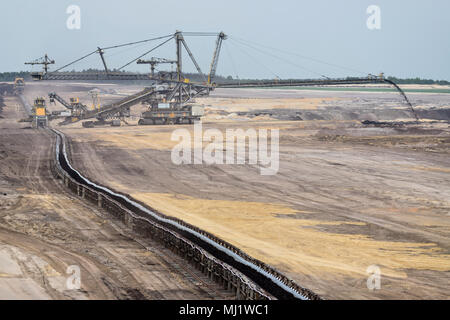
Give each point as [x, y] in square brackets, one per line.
[19, 86]
[172, 100]
[169, 101]
[212, 72]
[175, 104]
[39, 113]
[75, 107]
[153, 62]
[45, 61]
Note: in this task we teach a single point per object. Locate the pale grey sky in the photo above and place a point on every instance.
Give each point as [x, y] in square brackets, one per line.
[414, 39]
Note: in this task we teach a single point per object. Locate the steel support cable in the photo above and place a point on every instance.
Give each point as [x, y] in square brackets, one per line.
[152, 49]
[129, 44]
[255, 60]
[402, 93]
[198, 35]
[279, 58]
[302, 56]
[193, 60]
[75, 61]
[125, 50]
[204, 34]
[137, 42]
[37, 60]
[233, 65]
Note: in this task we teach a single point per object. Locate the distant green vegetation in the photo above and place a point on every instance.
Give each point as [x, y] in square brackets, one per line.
[367, 89]
[418, 81]
[10, 76]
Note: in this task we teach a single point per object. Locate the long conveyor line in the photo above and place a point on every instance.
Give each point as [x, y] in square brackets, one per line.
[265, 277]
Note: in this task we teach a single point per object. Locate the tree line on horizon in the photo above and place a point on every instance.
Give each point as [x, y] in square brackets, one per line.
[10, 76]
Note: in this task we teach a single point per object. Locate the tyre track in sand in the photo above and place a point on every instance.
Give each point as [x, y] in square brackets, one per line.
[44, 222]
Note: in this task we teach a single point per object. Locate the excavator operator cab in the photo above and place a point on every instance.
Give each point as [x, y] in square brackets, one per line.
[40, 107]
[40, 118]
[19, 82]
[74, 100]
[39, 102]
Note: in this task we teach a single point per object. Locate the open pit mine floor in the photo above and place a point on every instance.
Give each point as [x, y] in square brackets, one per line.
[346, 198]
[44, 229]
[339, 203]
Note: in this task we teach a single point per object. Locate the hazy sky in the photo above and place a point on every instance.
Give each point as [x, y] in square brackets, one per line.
[414, 39]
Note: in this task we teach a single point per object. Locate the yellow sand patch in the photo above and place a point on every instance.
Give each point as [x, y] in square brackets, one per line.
[153, 140]
[295, 243]
[50, 272]
[248, 104]
[129, 139]
[159, 138]
[7, 275]
[420, 216]
[434, 169]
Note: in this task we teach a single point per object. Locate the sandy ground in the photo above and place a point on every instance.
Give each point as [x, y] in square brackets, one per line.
[346, 197]
[44, 230]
